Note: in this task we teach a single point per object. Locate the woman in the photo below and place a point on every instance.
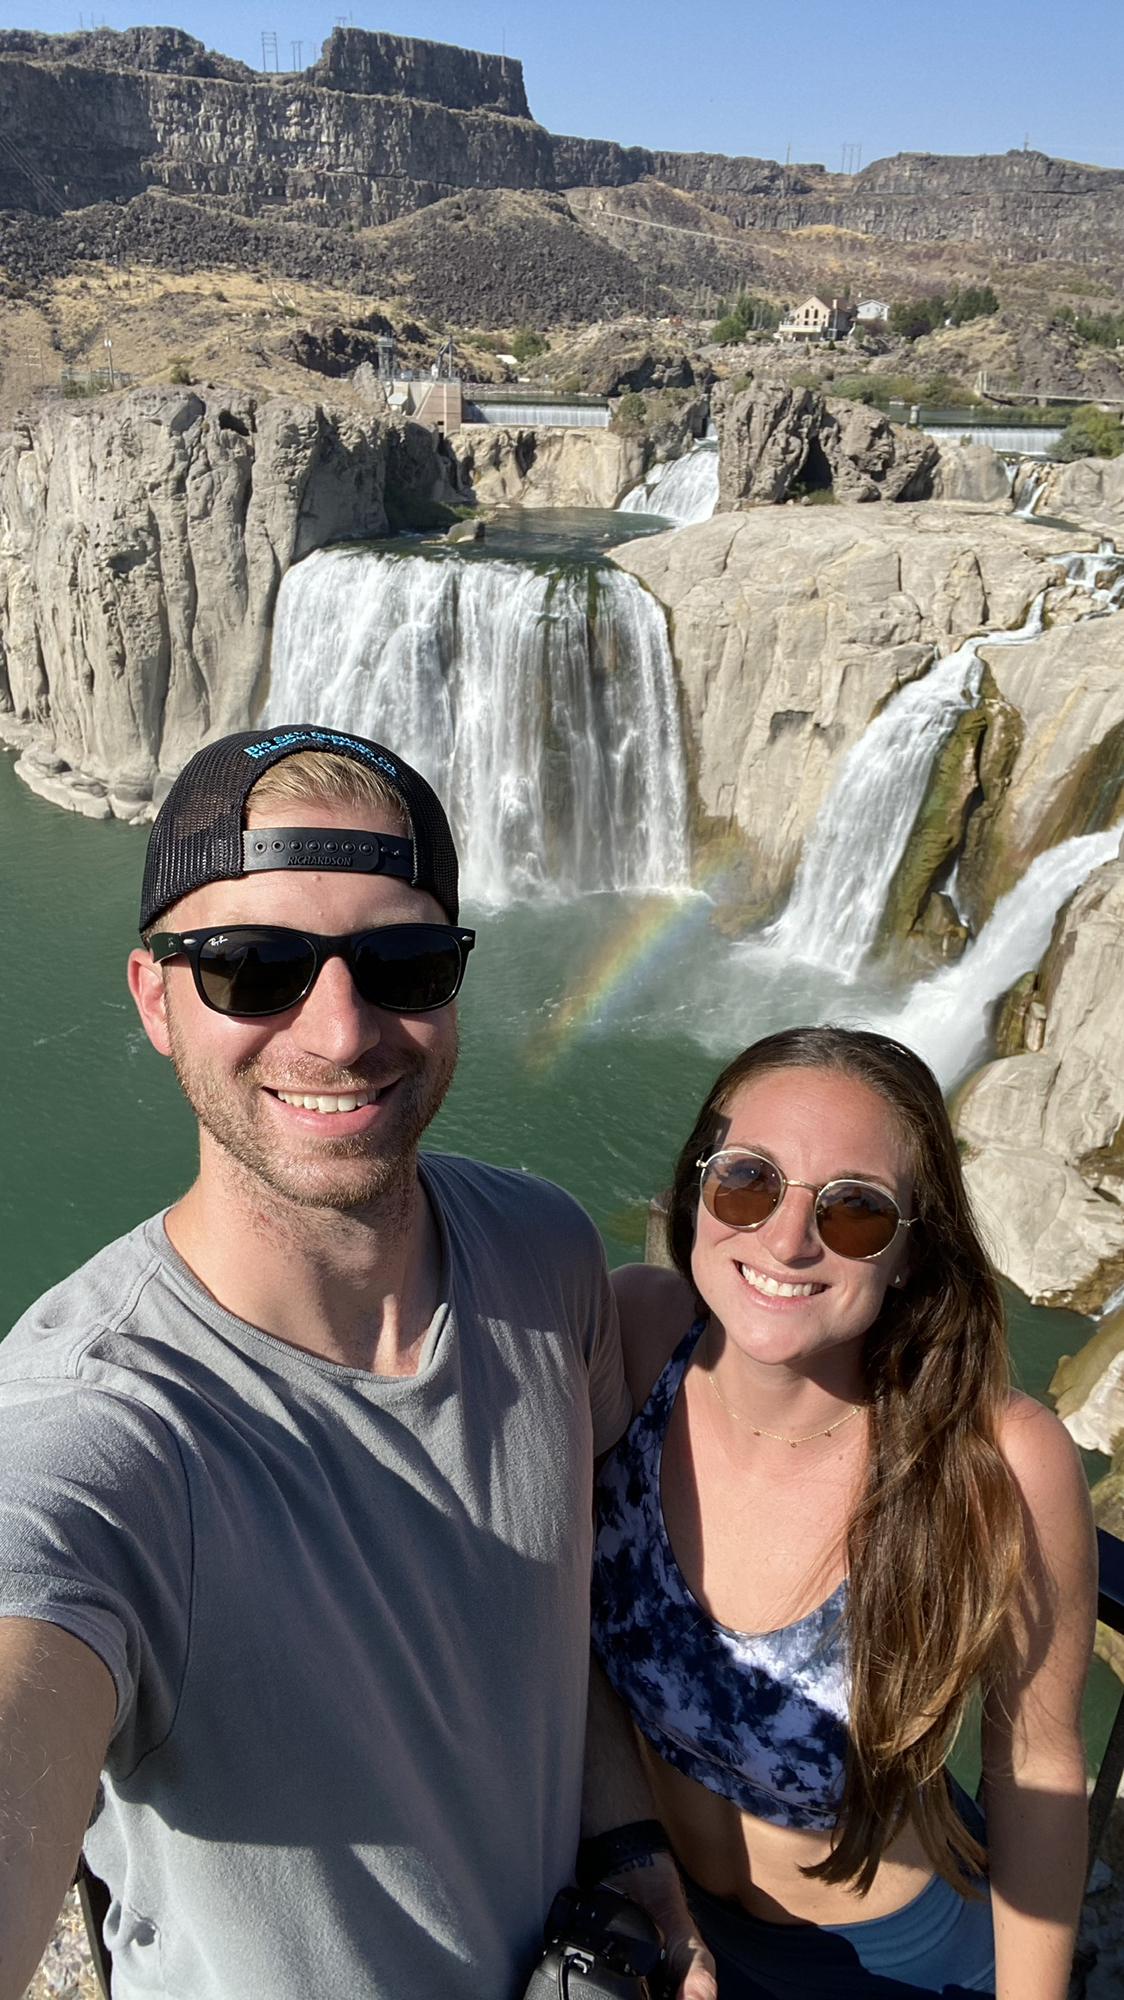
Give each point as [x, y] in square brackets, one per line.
[831, 1522]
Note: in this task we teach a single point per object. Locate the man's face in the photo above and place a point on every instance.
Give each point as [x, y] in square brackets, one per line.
[239, 1076]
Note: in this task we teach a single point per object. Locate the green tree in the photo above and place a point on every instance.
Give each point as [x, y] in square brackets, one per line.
[526, 344]
[973, 302]
[1091, 433]
[631, 412]
[1099, 329]
[747, 314]
[910, 318]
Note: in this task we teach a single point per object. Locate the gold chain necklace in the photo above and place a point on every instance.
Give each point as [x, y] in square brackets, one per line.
[778, 1436]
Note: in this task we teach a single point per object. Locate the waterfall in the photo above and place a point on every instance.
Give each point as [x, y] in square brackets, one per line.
[1100, 572]
[1009, 440]
[860, 834]
[946, 1018]
[683, 490]
[1031, 488]
[542, 707]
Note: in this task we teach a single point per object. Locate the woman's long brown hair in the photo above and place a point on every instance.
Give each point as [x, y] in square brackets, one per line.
[935, 1545]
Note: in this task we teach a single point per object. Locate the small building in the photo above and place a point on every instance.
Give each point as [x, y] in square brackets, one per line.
[816, 320]
[870, 312]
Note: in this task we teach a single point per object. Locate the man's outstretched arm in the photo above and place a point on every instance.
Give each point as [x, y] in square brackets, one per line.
[57, 1703]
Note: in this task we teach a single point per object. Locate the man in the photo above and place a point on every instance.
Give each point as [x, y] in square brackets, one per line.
[295, 1478]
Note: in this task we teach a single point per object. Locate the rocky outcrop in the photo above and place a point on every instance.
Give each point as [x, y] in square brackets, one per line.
[352, 59]
[765, 436]
[791, 628]
[548, 468]
[142, 542]
[1088, 1391]
[970, 472]
[1043, 1130]
[779, 442]
[166, 50]
[608, 358]
[338, 350]
[1051, 761]
[1090, 490]
[377, 65]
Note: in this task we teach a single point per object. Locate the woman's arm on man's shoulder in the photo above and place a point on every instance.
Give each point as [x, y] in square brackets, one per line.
[656, 1308]
[1034, 1756]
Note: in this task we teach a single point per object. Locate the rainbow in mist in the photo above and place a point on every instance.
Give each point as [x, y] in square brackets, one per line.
[655, 932]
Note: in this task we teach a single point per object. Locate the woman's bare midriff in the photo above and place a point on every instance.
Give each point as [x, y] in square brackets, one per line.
[750, 1861]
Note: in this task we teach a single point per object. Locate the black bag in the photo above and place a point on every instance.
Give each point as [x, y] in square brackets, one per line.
[599, 1946]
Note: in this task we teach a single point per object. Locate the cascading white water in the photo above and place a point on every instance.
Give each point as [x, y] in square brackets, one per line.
[860, 834]
[1031, 489]
[1100, 572]
[1009, 440]
[542, 706]
[683, 490]
[946, 1018]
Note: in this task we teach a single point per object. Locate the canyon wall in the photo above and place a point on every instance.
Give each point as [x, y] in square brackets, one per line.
[792, 628]
[142, 544]
[382, 125]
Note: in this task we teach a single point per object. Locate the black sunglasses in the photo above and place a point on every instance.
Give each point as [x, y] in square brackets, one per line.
[855, 1219]
[253, 970]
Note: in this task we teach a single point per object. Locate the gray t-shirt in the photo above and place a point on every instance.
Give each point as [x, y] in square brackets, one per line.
[347, 1616]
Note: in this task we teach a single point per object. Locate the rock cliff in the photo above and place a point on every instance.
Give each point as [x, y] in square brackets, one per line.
[1090, 490]
[374, 65]
[549, 468]
[142, 542]
[777, 441]
[792, 627]
[381, 125]
[1088, 1390]
[1043, 1129]
[1051, 760]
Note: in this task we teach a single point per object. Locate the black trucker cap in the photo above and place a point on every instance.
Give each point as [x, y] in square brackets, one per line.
[199, 833]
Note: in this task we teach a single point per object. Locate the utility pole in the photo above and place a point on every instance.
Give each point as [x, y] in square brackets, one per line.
[297, 51]
[269, 49]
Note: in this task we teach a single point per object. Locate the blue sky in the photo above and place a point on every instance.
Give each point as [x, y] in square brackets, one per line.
[718, 76]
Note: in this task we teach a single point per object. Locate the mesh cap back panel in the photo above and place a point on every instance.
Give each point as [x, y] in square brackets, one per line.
[197, 835]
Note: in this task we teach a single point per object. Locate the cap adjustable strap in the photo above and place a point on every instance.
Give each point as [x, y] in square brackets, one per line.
[327, 847]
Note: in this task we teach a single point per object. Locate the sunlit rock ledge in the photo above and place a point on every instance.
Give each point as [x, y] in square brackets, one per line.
[1088, 1390]
[1043, 1128]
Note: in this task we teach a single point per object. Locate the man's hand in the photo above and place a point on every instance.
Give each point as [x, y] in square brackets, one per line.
[657, 1888]
[57, 1703]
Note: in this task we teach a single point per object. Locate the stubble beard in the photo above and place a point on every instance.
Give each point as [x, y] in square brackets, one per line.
[345, 1175]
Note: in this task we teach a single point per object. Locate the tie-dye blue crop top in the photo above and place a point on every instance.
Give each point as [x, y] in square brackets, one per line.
[759, 1718]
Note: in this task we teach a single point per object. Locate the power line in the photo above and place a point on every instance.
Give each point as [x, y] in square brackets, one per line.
[23, 165]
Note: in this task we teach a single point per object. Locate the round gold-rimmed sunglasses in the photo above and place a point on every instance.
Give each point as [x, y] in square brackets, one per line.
[855, 1219]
